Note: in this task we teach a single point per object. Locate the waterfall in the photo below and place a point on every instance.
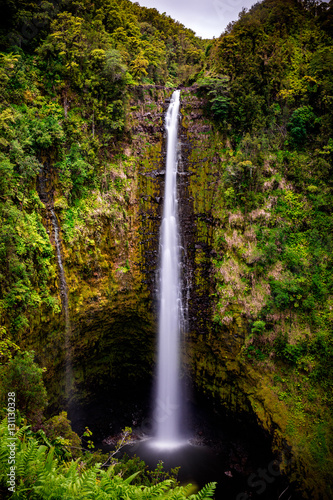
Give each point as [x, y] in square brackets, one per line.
[168, 399]
[62, 278]
[46, 196]
[64, 303]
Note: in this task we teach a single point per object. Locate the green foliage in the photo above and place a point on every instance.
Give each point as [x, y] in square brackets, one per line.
[40, 475]
[103, 44]
[61, 436]
[258, 327]
[301, 123]
[88, 433]
[206, 492]
[128, 466]
[75, 173]
[25, 254]
[114, 68]
[216, 90]
[277, 58]
[256, 353]
[24, 377]
[7, 346]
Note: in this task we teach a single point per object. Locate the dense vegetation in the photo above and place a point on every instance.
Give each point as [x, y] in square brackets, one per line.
[64, 97]
[269, 80]
[67, 73]
[277, 177]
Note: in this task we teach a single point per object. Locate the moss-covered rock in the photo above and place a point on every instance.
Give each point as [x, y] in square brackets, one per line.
[226, 353]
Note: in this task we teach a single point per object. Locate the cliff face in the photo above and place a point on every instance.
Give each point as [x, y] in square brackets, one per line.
[106, 330]
[109, 251]
[226, 297]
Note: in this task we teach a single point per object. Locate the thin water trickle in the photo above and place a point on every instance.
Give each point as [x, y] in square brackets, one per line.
[46, 197]
[64, 302]
[62, 278]
[168, 408]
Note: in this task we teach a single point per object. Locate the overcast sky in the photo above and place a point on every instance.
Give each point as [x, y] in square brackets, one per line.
[207, 18]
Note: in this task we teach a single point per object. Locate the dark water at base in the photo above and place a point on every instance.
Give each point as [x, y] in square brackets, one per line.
[232, 451]
[200, 465]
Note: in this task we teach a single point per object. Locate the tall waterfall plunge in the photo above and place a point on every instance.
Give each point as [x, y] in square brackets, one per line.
[168, 400]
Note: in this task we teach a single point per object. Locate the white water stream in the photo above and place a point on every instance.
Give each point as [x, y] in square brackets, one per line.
[64, 301]
[168, 400]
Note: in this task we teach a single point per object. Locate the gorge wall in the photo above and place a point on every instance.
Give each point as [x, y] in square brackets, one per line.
[109, 273]
[221, 244]
[109, 251]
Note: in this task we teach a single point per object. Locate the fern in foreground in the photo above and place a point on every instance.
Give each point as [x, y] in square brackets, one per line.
[41, 476]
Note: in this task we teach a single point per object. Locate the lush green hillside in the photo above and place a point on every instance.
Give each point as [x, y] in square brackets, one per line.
[85, 42]
[277, 179]
[276, 183]
[65, 94]
[269, 80]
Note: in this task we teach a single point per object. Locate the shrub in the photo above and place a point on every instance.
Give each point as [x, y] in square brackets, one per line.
[302, 121]
[258, 327]
[24, 377]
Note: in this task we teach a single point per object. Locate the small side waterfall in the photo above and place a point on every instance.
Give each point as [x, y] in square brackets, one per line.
[64, 303]
[168, 400]
[47, 198]
[62, 278]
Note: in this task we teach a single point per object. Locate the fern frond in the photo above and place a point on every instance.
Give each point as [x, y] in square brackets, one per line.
[89, 482]
[205, 493]
[27, 455]
[130, 479]
[157, 489]
[187, 489]
[180, 492]
[50, 461]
